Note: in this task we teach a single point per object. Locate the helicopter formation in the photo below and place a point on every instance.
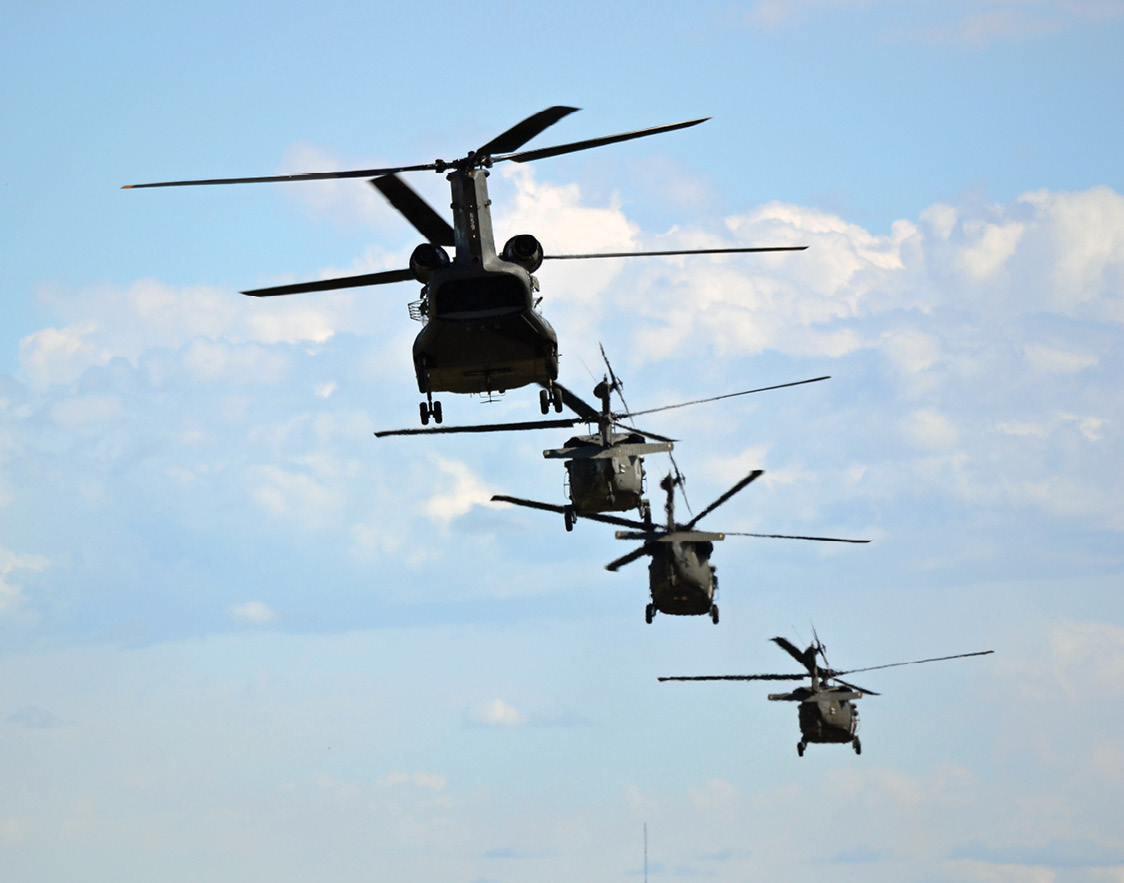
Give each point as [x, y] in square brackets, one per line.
[483, 334]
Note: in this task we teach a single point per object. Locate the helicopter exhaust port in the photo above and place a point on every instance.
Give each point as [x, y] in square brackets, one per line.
[426, 260]
[525, 251]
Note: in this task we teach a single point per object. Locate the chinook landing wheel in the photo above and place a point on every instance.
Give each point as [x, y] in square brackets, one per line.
[556, 399]
[423, 409]
[544, 401]
[436, 410]
[649, 613]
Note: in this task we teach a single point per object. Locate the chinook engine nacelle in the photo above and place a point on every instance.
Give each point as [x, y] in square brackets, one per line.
[426, 260]
[523, 250]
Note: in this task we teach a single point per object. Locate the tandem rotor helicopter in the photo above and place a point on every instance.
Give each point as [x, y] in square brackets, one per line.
[681, 579]
[604, 470]
[483, 332]
[827, 711]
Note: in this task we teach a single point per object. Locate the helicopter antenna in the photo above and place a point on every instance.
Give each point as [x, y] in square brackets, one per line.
[681, 480]
[616, 382]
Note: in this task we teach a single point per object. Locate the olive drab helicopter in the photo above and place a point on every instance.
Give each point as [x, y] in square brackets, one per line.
[827, 710]
[681, 579]
[604, 470]
[483, 332]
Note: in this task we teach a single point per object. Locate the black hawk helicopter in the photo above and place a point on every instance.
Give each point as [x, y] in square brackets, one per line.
[681, 579]
[605, 470]
[483, 331]
[827, 711]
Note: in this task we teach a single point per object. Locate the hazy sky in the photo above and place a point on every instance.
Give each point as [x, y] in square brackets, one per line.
[240, 638]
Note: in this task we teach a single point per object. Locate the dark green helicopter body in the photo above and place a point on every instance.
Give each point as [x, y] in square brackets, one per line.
[681, 579]
[483, 333]
[827, 712]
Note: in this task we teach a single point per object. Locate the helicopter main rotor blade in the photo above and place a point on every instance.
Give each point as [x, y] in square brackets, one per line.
[645, 433]
[753, 476]
[861, 690]
[415, 209]
[638, 552]
[530, 155]
[806, 658]
[737, 678]
[728, 395]
[785, 536]
[852, 671]
[587, 412]
[521, 133]
[658, 254]
[383, 278]
[306, 176]
[560, 510]
[483, 427]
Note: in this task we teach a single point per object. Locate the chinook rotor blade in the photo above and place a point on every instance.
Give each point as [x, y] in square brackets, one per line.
[785, 536]
[728, 395]
[307, 176]
[852, 671]
[638, 552]
[521, 133]
[483, 427]
[383, 278]
[660, 254]
[753, 476]
[415, 209]
[543, 153]
[737, 678]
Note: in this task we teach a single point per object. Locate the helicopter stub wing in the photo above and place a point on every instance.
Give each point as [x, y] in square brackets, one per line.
[585, 452]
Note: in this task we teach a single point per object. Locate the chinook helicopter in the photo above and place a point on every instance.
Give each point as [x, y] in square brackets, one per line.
[483, 333]
[681, 579]
[827, 711]
[604, 470]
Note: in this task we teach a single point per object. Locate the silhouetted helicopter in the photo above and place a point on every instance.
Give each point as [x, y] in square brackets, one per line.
[483, 332]
[827, 712]
[605, 470]
[681, 579]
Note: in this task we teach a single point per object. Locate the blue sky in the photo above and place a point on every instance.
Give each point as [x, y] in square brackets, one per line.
[240, 637]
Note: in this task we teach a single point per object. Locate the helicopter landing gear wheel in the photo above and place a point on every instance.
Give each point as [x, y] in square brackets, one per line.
[714, 613]
[857, 745]
[544, 401]
[649, 613]
[646, 512]
[800, 747]
[568, 516]
[428, 410]
[556, 399]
